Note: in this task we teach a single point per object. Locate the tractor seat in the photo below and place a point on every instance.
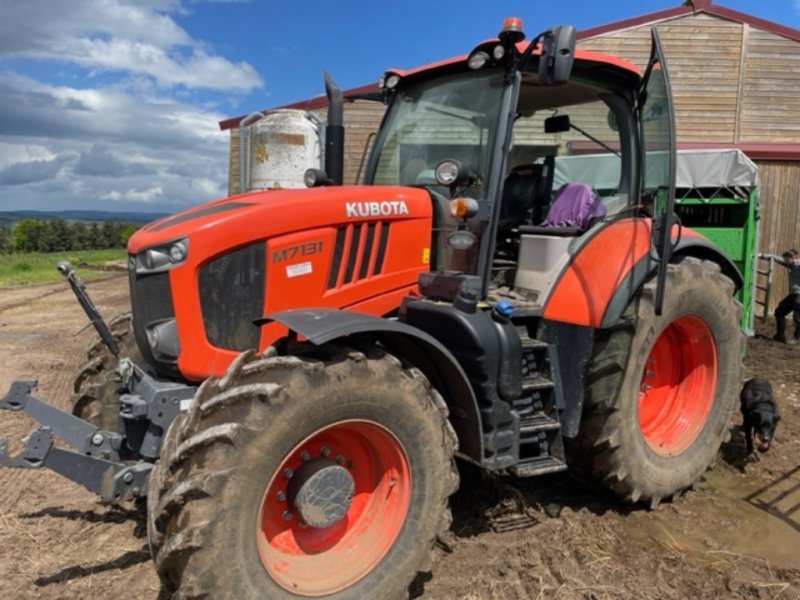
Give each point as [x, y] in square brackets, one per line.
[575, 207]
[519, 194]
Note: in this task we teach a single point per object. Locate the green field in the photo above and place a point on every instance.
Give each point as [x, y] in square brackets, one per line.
[37, 267]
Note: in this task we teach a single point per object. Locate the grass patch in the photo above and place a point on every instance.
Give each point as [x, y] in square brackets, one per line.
[37, 267]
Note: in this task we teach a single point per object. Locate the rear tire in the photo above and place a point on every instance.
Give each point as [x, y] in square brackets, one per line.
[662, 389]
[96, 383]
[217, 505]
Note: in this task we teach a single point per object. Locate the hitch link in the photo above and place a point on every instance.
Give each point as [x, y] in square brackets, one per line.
[93, 462]
[65, 268]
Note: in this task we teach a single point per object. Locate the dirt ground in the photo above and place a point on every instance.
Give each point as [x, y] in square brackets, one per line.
[736, 536]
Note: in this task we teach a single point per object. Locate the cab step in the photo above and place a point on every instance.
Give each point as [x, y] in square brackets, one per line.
[540, 465]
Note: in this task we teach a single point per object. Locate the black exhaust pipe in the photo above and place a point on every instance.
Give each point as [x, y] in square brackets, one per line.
[334, 132]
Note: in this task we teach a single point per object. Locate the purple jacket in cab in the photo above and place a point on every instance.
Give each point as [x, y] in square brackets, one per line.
[574, 205]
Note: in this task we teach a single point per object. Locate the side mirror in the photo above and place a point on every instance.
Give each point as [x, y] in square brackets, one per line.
[558, 54]
[557, 124]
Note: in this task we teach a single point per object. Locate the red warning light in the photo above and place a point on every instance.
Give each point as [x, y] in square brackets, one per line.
[512, 29]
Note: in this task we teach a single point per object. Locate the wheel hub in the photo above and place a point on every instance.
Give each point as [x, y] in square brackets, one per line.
[321, 492]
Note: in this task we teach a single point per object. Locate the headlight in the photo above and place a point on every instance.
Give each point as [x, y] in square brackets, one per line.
[477, 60]
[447, 172]
[392, 81]
[163, 338]
[162, 257]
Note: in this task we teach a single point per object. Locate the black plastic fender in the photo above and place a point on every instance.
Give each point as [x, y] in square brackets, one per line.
[322, 325]
[696, 246]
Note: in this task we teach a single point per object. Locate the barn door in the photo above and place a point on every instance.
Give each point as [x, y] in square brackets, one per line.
[657, 144]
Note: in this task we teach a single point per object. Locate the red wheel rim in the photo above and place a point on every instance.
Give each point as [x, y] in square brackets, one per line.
[315, 562]
[678, 386]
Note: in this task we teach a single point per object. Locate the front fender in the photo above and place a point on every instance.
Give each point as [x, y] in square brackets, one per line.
[322, 325]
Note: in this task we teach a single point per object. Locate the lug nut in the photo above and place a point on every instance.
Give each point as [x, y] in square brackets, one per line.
[305, 456]
[288, 473]
[287, 515]
[128, 477]
[326, 452]
[97, 439]
[281, 496]
[340, 459]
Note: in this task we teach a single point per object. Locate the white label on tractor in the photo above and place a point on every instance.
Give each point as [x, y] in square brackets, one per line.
[299, 269]
[186, 404]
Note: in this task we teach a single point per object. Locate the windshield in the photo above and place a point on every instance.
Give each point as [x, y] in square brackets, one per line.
[452, 117]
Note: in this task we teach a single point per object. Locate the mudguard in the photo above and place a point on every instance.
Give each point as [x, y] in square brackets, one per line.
[610, 267]
[322, 325]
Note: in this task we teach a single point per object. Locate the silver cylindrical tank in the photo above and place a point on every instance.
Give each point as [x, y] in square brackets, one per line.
[280, 147]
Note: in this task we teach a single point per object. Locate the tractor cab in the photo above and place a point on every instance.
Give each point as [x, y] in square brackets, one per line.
[484, 133]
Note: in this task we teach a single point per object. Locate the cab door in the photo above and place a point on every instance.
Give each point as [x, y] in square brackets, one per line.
[656, 120]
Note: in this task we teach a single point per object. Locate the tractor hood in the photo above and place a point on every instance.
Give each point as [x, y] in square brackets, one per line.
[239, 220]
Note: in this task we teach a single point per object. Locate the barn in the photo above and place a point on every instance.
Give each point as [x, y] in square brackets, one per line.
[735, 80]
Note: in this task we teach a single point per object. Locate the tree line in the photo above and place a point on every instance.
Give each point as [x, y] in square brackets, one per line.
[59, 235]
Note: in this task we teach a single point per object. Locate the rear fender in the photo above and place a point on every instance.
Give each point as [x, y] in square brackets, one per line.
[692, 245]
[320, 326]
[610, 266]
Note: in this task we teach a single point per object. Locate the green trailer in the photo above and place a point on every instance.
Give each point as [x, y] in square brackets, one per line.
[716, 195]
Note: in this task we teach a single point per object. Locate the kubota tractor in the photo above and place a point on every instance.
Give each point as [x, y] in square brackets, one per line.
[308, 363]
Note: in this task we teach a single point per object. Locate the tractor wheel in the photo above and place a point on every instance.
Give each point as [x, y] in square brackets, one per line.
[325, 474]
[661, 389]
[96, 383]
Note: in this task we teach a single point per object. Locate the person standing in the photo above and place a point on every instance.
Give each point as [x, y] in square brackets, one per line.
[791, 303]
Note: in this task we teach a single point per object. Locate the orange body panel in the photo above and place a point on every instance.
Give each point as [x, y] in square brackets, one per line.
[599, 267]
[300, 230]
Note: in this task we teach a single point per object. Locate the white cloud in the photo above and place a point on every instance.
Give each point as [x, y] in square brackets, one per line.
[34, 170]
[138, 38]
[63, 147]
[145, 196]
[123, 133]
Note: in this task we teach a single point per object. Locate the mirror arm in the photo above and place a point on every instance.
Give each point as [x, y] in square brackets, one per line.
[594, 139]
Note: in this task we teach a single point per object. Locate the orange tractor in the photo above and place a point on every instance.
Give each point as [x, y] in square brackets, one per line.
[308, 363]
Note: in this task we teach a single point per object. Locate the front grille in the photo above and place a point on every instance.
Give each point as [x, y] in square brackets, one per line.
[362, 250]
[151, 302]
[232, 295]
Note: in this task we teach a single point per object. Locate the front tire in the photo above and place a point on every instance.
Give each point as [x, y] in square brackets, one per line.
[96, 383]
[252, 495]
[662, 389]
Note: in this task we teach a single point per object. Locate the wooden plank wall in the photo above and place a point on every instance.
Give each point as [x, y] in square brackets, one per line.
[703, 57]
[770, 101]
[780, 211]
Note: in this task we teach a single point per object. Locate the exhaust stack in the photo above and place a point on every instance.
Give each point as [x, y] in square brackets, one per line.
[334, 132]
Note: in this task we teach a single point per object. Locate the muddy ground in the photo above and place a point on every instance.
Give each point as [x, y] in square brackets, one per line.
[736, 536]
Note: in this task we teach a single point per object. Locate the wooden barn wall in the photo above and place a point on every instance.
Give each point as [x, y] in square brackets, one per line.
[770, 100]
[780, 212]
[704, 57]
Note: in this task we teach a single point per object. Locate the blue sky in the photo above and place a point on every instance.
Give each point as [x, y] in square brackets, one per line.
[114, 104]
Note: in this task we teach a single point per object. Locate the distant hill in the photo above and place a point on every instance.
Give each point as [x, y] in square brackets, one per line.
[137, 218]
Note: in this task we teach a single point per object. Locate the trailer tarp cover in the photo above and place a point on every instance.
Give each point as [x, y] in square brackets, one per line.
[695, 169]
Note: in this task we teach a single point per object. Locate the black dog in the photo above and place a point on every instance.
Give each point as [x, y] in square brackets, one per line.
[760, 414]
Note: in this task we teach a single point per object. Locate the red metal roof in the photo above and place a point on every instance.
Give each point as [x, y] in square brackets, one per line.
[754, 150]
[693, 7]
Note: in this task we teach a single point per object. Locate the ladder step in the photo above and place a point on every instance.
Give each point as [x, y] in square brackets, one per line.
[532, 344]
[538, 422]
[540, 465]
[537, 382]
